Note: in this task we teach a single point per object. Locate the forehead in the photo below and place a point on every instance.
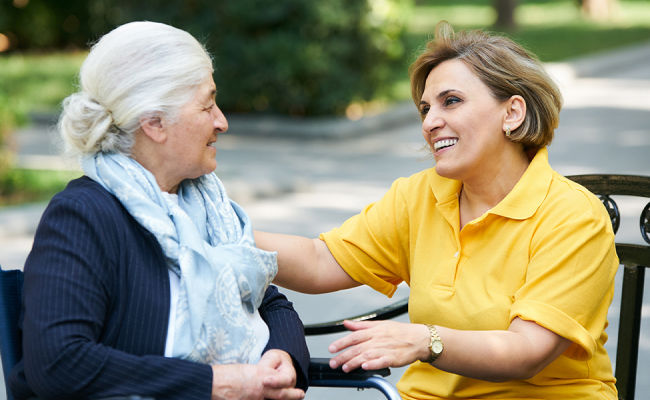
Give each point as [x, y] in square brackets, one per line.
[453, 75]
[206, 89]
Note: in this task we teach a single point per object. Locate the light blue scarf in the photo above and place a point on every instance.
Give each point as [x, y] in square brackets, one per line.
[208, 242]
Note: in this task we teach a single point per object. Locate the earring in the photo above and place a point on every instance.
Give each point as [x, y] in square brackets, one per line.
[507, 130]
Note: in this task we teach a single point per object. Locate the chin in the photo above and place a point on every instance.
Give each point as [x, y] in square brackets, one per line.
[444, 171]
[209, 165]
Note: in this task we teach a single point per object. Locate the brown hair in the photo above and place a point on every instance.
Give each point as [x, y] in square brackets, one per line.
[506, 68]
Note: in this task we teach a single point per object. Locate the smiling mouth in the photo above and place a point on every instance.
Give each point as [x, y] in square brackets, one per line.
[442, 144]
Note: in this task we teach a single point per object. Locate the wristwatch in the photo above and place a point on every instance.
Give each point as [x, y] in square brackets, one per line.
[435, 344]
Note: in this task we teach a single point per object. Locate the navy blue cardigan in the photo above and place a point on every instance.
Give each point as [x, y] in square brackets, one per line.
[96, 308]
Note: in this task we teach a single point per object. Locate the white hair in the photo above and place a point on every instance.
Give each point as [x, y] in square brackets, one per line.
[136, 71]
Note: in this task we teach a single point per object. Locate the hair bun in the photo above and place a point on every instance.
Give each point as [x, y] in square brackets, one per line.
[84, 124]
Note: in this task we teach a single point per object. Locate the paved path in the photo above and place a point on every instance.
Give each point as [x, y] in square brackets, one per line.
[306, 186]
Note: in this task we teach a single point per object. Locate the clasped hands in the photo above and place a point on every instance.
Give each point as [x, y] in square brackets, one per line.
[380, 344]
[273, 377]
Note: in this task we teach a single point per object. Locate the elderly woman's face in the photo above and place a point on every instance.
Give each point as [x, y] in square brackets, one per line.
[193, 135]
[462, 121]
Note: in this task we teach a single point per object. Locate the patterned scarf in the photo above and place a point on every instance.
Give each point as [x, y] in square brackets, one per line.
[208, 242]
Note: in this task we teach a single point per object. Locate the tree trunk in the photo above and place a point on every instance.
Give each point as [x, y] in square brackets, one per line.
[599, 9]
[505, 13]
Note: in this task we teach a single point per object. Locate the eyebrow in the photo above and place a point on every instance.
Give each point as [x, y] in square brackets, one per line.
[446, 92]
[441, 95]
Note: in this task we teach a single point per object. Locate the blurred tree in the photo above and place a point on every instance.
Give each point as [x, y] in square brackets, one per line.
[287, 56]
[292, 57]
[599, 9]
[505, 14]
[42, 24]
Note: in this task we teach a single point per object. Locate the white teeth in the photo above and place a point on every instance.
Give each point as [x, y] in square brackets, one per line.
[444, 143]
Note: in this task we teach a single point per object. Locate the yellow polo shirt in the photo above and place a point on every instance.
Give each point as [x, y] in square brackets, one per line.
[545, 253]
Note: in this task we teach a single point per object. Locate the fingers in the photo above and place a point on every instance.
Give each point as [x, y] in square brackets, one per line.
[284, 394]
[379, 344]
[354, 338]
[282, 372]
[279, 376]
[280, 379]
[357, 325]
[272, 358]
[356, 351]
[360, 357]
[249, 381]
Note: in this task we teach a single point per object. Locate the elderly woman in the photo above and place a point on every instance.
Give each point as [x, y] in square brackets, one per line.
[510, 265]
[144, 278]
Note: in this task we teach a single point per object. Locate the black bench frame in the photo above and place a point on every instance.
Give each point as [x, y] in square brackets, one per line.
[635, 259]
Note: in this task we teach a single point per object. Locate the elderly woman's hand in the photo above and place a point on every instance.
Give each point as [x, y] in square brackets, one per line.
[281, 382]
[380, 344]
[273, 377]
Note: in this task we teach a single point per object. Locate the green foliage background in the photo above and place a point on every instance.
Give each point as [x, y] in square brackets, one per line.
[292, 57]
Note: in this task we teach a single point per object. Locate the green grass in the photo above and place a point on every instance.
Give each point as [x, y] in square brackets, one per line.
[38, 82]
[554, 30]
[32, 83]
[27, 185]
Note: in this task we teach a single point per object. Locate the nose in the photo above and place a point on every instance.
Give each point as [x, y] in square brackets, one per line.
[431, 123]
[220, 122]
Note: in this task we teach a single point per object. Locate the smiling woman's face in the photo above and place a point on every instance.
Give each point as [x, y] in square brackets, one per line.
[462, 121]
[192, 136]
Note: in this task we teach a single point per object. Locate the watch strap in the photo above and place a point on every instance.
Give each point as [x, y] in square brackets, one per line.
[433, 338]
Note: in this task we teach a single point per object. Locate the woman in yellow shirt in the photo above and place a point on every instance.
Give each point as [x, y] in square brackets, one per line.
[510, 265]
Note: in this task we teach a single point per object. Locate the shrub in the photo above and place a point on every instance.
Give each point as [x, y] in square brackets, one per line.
[7, 123]
[294, 57]
[31, 83]
[27, 185]
[303, 58]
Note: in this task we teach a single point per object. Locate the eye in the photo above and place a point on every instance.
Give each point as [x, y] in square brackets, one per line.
[424, 110]
[209, 108]
[451, 100]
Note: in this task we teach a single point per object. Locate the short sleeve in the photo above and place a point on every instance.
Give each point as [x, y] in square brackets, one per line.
[569, 281]
[372, 247]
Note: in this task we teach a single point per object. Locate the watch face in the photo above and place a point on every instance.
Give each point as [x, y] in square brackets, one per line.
[437, 347]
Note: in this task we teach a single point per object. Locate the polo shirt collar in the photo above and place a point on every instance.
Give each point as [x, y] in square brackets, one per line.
[523, 200]
[445, 190]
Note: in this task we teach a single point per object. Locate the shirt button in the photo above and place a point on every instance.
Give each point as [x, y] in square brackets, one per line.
[456, 255]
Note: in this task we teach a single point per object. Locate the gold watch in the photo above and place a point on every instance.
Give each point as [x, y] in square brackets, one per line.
[435, 344]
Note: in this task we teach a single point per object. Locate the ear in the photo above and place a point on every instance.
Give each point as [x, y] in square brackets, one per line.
[515, 112]
[152, 127]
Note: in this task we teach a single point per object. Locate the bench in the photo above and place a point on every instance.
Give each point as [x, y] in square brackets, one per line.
[634, 258]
